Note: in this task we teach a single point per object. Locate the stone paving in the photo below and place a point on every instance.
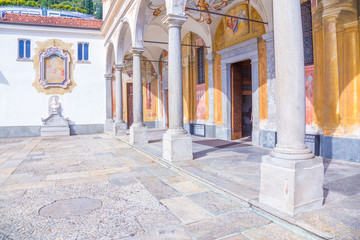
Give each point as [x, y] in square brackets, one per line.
[96, 187]
[234, 166]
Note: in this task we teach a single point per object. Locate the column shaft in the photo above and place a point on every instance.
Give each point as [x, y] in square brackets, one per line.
[176, 121]
[119, 96]
[138, 131]
[108, 103]
[137, 90]
[108, 96]
[290, 83]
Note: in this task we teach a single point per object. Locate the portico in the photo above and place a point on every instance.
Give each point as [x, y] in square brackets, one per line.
[256, 47]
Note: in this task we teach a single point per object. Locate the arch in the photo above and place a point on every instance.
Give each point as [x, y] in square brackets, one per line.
[192, 26]
[110, 58]
[139, 23]
[123, 40]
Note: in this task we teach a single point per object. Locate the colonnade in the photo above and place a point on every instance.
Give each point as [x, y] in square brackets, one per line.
[291, 177]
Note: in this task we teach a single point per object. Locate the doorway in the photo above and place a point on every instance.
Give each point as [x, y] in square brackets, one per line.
[241, 100]
[129, 94]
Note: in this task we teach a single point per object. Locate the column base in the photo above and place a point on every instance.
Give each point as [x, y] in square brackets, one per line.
[177, 146]
[138, 135]
[120, 128]
[109, 125]
[292, 186]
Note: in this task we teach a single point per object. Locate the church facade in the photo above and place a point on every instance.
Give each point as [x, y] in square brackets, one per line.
[283, 74]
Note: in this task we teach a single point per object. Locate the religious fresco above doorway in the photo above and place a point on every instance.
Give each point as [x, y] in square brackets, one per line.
[54, 67]
[227, 34]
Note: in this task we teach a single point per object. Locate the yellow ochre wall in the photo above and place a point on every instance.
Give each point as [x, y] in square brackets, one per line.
[190, 78]
[337, 68]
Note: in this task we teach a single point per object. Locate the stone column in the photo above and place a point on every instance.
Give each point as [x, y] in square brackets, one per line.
[255, 134]
[331, 108]
[177, 143]
[271, 87]
[138, 131]
[211, 131]
[291, 177]
[120, 125]
[164, 108]
[109, 118]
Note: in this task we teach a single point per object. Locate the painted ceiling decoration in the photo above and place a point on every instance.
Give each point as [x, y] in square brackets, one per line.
[207, 6]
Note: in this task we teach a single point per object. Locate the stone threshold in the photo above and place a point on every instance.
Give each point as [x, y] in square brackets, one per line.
[301, 228]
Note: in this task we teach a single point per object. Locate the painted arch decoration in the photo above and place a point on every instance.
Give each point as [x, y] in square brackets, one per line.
[159, 6]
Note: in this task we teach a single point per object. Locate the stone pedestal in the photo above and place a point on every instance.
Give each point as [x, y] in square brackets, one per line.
[292, 186]
[109, 125]
[55, 130]
[120, 128]
[138, 135]
[55, 124]
[177, 146]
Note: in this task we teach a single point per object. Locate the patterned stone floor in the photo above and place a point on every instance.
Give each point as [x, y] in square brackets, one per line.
[235, 167]
[96, 187]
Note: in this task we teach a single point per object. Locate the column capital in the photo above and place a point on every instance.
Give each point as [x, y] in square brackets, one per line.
[268, 37]
[172, 20]
[331, 15]
[137, 50]
[118, 67]
[108, 76]
[210, 57]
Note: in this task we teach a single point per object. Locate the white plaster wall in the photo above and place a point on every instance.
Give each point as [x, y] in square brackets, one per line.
[22, 105]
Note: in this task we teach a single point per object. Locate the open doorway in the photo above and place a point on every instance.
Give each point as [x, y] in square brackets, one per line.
[241, 100]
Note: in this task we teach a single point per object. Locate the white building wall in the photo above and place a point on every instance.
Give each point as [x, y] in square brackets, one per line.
[22, 105]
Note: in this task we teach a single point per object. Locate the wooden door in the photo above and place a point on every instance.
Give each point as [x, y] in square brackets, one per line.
[236, 102]
[130, 115]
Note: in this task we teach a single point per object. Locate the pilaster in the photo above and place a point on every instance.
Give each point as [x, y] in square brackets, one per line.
[210, 58]
[271, 81]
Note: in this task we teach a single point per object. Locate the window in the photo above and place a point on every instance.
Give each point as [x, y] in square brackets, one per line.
[201, 65]
[24, 49]
[83, 52]
[307, 32]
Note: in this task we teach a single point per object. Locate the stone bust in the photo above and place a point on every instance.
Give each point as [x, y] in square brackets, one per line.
[54, 105]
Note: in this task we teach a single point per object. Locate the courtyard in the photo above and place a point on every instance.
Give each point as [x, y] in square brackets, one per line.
[97, 187]
[100, 187]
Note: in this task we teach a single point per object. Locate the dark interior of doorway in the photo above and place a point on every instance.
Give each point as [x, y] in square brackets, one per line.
[241, 100]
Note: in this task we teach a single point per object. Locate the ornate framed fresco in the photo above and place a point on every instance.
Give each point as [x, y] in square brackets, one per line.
[54, 68]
